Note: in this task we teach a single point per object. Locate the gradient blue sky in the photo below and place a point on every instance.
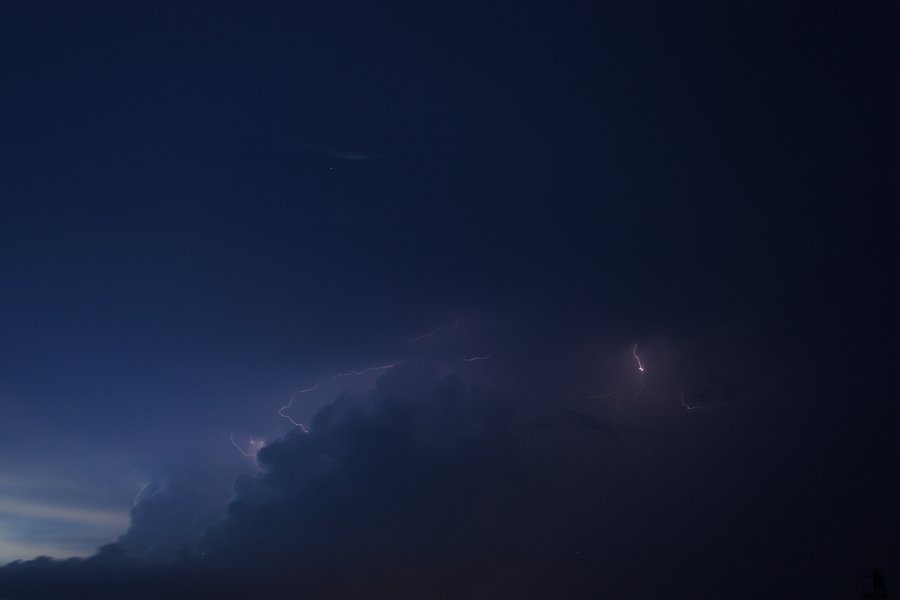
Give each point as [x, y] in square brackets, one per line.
[206, 207]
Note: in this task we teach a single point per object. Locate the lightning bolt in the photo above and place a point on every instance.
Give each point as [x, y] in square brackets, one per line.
[637, 358]
[283, 411]
[474, 358]
[364, 371]
[641, 390]
[314, 387]
[291, 403]
[140, 494]
[257, 444]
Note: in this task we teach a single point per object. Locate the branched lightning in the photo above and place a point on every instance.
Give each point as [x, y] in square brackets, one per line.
[364, 371]
[255, 444]
[291, 403]
[314, 387]
[641, 390]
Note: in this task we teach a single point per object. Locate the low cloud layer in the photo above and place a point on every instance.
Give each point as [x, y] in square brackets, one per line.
[421, 482]
[427, 487]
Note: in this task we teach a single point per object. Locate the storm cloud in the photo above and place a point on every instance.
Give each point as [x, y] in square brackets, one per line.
[421, 479]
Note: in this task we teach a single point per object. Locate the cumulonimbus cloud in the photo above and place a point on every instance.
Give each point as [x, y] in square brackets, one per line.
[421, 479]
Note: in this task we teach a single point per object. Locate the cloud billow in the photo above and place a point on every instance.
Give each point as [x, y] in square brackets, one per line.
[419, 469]
[420, 480]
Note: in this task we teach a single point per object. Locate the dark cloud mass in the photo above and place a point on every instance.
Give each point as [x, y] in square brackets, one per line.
[416, 471]
[422, 486]
[421, 479]
[429, 487]
[172, 511]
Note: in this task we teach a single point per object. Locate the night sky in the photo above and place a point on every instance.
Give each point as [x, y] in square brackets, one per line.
[448, 299]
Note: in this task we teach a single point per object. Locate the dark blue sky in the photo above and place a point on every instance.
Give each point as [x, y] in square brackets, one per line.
[208, 207]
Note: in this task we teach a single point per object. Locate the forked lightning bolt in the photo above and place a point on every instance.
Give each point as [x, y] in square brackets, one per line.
[641, 390]
[314, 387]
[291, 403]
[254, 444]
